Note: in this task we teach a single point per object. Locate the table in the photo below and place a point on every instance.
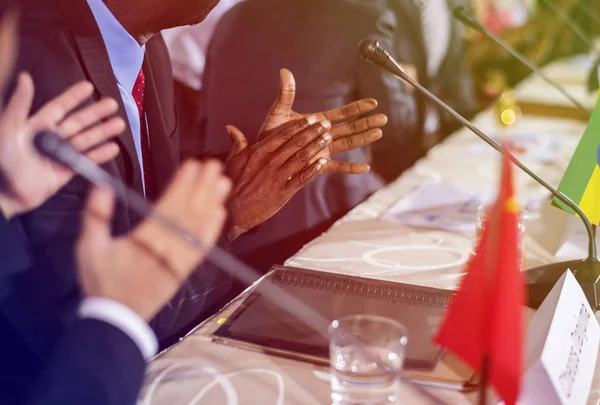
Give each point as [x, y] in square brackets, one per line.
[539, 98]
[198, 371]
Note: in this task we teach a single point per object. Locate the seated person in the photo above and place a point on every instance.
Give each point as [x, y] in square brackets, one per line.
[111, 45]
[318, 41]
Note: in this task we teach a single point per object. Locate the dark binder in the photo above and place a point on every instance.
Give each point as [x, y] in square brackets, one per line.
[258, 324]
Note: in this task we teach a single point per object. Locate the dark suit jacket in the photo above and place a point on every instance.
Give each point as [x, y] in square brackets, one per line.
[453, 83]
[95, 363]
[317, 41]
[61, 45]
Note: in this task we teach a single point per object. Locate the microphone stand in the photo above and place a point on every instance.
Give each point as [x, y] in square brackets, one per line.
[571, 24]
[539, 280]
[591, 13]
[463, 16]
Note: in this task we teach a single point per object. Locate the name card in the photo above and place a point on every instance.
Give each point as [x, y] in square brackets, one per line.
[562, 348]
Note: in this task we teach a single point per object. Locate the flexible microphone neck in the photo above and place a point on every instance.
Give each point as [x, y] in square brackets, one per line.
[372, 51]
[461, 14]
[589, 11]
[573, 26]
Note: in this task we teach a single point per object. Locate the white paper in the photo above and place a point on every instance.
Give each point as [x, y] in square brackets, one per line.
[438, 206]
[536, 147]
[561, 348]
[445, 207]
[575, 241]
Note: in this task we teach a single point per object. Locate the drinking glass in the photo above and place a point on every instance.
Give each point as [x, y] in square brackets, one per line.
[367, 355]
[483, 210]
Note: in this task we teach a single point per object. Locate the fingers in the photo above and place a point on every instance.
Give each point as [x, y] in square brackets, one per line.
[304, 177]
[57, 109]
[283, 134]
[287, 92]
[360, 125]
[19, 105]
[334, 166]
[88, 116]
[97, 219]
[349, 112]
[238, 141]
[97, 135]
[8, 44]
[355, 141]
[206, 184]
[104, 153]
[194, 200]
[303, 145]
[304, 156]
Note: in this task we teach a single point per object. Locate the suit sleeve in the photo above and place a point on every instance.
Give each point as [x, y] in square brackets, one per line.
[394, 100]
[95, 363]
[204, 293]
[14, 255]
[459, 92]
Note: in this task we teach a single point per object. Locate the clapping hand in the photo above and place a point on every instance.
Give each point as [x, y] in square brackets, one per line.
[144, 269]
[349, 131]
[28, 179]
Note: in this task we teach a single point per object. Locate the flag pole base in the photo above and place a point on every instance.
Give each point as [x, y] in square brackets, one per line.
[540, 280]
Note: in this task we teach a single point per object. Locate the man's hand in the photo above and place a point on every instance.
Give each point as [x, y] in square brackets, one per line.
[145, 269]
[27, 178]
[349, 132]
[267, 174]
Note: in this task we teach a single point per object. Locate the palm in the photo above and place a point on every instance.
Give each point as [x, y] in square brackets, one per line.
[349, 131]
[29, 179]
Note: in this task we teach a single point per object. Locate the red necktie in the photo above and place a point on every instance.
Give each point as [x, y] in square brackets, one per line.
[138, 96]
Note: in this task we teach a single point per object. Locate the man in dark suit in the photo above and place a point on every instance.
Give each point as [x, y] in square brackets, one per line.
[111, 44]
[101, 357]
[317, 40]
[430, 40]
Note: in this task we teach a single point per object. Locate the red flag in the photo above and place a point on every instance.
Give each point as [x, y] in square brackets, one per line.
[484, 320]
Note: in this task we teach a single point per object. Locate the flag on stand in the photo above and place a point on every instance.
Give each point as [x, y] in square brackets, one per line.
[484, 323]
[581, 182]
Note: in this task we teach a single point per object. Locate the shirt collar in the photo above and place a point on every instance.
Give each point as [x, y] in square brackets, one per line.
[125, 53]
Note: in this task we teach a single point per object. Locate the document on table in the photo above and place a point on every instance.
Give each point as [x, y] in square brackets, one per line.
[536, 147]
[438, 206]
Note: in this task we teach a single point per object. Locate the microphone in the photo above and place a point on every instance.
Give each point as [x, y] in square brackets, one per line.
[461, 14]
[540, 280]
[589, 11]
[573, 26]
[55, 148]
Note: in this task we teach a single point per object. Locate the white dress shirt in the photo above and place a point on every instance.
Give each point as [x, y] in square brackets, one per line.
[188, 45]
[436, 26]
[126, 58]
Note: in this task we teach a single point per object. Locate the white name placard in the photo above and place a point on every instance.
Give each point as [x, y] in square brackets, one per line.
[561, 348]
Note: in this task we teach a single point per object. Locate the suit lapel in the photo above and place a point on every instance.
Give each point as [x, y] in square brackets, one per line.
[408, 12]
[454, 49]
[96, 62]
[164, 155]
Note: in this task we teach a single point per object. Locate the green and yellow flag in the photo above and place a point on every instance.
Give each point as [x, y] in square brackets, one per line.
[581, 182]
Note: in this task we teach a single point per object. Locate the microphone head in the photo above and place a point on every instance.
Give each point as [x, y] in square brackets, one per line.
[464, 16]
[372, 51]
[54, 147]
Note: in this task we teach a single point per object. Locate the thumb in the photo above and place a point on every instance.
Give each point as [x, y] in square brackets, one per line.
[238, 141]
[287, 92]
[96, 229]
[20, 101]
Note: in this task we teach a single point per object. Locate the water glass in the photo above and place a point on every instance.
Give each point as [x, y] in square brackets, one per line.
[367, 355]
[482, 212]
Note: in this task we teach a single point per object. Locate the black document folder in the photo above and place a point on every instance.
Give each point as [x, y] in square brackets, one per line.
[260, 324]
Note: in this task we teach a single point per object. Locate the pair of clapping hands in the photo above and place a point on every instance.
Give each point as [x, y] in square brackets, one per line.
[256, 182]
